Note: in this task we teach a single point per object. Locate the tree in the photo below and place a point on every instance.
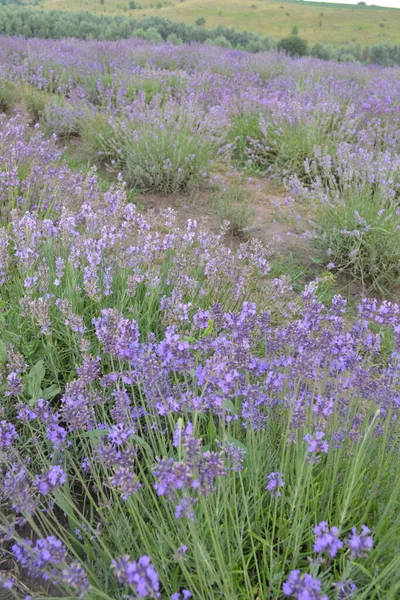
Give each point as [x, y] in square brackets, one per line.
[174, 39]
[132, 4]
[293, 45]
[323, 51]
[200, 21]
[219, 41]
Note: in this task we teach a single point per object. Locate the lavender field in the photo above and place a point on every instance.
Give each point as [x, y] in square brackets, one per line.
[181, 415]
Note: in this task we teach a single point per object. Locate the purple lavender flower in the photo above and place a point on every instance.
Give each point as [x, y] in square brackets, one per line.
[122, 411]
[182, 550]
[119, 434]
[236, 456]
[38, 557]
[303, 587]
[211, 466]
[119, 336]
[345, 589]
[8, 434]
[316, 445]
[125, 481]
[51, 480]
[74, 576]
[172, 476]
[201, 319]
[17, 488]
[56, 434]
[141, 575]
[6, 583]
[327, 539]
[14, 385]
[184, 508]
[275, 483]
[360, 543]
[183, 595]
[89, 371]
[48, 551]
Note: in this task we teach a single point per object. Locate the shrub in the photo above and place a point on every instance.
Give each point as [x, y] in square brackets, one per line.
[62, 117]
[167, 160]
[360, 235]
[35, 103]
[280, 146]
[323, 51]
[245, 128]
[293, 45]
[295, 30]
[98, 139]
[200, 21]
[132, 4]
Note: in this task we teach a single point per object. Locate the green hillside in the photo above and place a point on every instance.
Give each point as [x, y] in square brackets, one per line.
[317, 22]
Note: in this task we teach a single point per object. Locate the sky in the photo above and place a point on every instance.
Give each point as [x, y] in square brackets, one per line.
[390, 3]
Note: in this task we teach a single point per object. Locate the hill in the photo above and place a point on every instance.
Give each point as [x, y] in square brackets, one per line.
[316, 22]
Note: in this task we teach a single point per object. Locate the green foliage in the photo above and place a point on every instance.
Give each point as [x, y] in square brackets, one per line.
[295, 30]
[293, 45]
[360, 235]
[200, 22]
[8, 96]
[132, 4]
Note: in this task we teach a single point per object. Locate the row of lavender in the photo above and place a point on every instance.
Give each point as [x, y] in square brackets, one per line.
[175, 422]
[171, 117]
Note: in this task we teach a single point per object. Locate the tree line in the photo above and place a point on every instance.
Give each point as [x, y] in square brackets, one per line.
[18, 20]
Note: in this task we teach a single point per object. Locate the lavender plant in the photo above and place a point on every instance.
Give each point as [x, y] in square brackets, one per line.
[176, 422]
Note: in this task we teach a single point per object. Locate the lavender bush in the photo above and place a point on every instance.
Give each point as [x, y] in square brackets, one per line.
[176, 422]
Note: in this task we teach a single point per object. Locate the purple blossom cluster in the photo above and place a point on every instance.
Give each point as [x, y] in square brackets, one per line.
[140, 575]
[275, 483]
[42, 556]
[327, 539]
[303, 587]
